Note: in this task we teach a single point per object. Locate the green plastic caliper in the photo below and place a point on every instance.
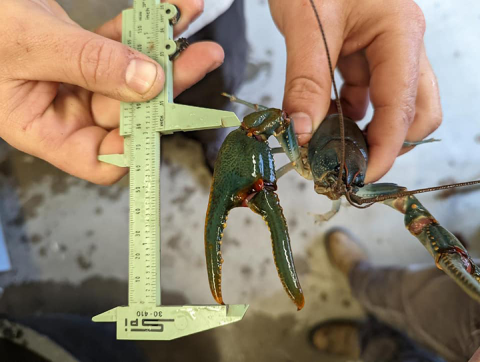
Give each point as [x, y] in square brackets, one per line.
[148, 28]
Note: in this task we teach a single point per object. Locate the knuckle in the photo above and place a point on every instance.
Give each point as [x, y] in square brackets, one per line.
[190, 8]
[414, 17]
[407, 113]
[354, 112]
[436, 119]
[197, 7]
[305, 88]
[96, 58]
[407, 103]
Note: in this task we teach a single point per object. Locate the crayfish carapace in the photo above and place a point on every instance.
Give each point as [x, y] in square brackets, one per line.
[336, 159]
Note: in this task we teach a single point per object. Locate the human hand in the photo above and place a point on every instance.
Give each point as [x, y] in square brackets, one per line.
[61, 85]
[378, 48]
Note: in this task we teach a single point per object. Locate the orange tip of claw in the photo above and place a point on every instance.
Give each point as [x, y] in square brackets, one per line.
[300, 302]
[219, 299]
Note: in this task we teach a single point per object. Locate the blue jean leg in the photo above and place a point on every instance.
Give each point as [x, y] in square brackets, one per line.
[381, 343]
[423, 303]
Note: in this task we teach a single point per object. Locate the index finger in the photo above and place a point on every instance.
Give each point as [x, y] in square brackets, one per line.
[393, 58]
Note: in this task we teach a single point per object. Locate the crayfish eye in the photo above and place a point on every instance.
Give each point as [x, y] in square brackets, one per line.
[332, 179]
[359, 180]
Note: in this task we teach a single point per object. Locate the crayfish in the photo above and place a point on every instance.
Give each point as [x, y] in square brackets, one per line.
[336, 160]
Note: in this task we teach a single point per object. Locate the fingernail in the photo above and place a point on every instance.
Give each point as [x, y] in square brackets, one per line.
[302, 123]
[140, 75]
[303, 138]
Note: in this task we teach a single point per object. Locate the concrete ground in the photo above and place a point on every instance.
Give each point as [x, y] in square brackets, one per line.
[67, 238]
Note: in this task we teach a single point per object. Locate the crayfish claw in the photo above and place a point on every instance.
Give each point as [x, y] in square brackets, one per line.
[215, 224]
[266, 204]
[463, 270]
[235, 180]
[244, 176]
[448, 252]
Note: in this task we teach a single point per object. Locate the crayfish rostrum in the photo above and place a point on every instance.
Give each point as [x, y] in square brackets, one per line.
[336, 160]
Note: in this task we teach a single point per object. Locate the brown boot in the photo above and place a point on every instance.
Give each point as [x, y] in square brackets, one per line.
[343, 250]
[337, 337]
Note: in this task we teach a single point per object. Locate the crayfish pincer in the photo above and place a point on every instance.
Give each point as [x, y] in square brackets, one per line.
[244, 175]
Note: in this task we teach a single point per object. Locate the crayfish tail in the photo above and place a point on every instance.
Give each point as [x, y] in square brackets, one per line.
[266, 204]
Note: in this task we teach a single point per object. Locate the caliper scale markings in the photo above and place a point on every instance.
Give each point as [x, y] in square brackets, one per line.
[148, 27]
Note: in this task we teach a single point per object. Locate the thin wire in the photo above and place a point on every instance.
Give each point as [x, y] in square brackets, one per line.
[337, 99]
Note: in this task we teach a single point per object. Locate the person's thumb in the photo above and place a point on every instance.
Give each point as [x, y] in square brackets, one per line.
[66, 53]
[308, 81]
